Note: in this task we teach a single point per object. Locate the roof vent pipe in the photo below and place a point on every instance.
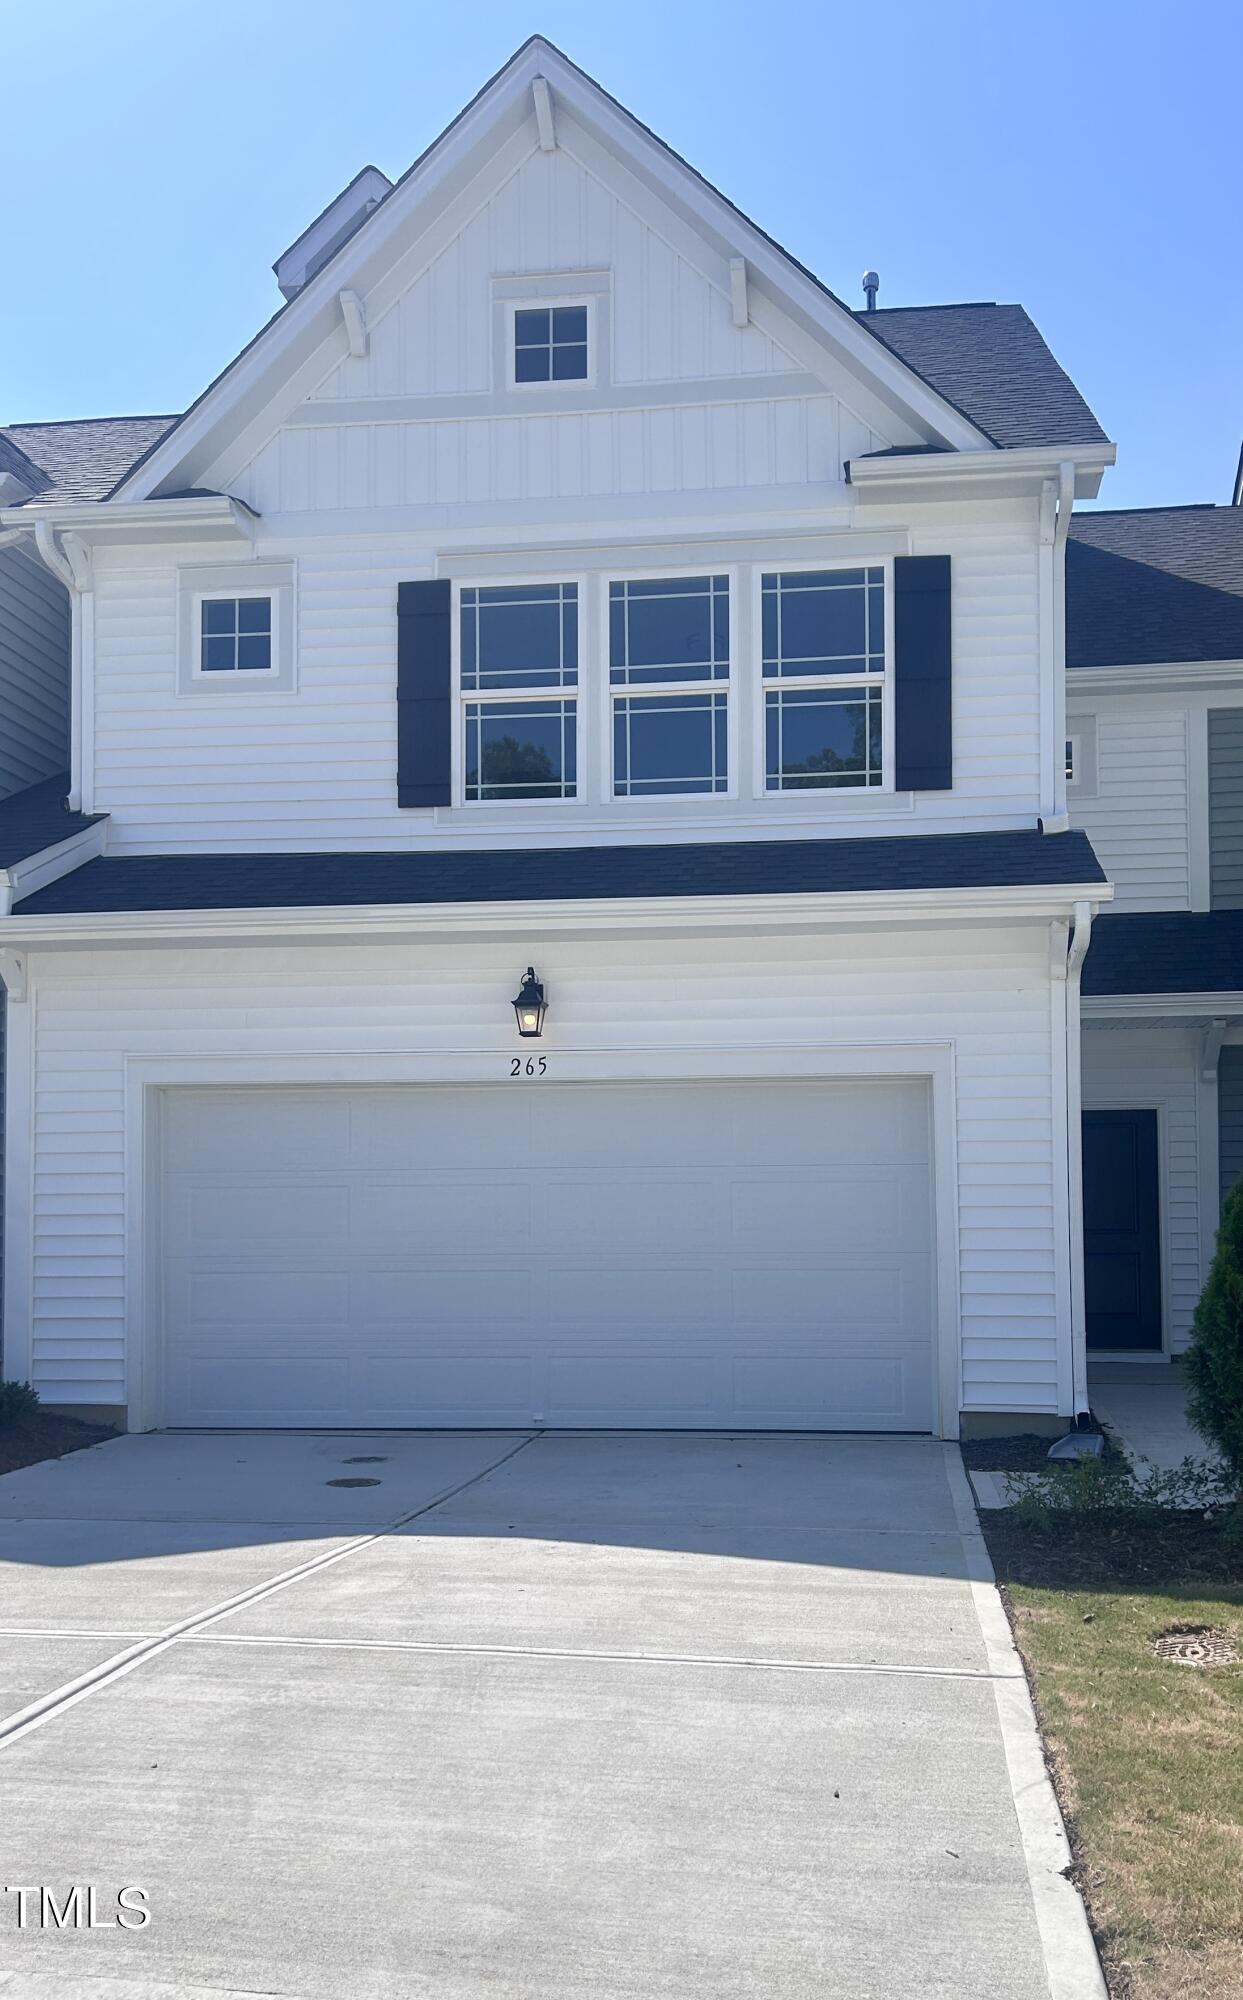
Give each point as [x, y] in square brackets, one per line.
[871, 285]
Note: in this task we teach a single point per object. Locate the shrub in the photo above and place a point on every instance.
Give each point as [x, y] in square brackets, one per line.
[1108, 1485]
[18, 1402]
[1214, 1360]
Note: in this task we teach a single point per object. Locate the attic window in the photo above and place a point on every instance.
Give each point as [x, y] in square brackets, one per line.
[550, 344]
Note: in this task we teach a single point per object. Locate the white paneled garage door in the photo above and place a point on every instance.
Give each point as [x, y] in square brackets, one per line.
[695, 1255]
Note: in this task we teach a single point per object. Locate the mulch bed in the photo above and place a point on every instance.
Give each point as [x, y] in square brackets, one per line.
[44, 1435]
[1116, 1549]
[1025, 1453]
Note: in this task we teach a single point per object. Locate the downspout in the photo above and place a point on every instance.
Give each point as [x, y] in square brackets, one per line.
[1057, 501]
[71, 564]
[1065, 507]
[1080, 938]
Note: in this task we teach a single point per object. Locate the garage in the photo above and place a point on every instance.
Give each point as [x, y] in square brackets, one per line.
[674, 1256]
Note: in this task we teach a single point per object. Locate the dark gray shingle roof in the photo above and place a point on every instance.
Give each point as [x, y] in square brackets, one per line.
[992, 363]
[82, 459]
[726, 868]
[36, 818]
[1152, 584]
[1166, 951]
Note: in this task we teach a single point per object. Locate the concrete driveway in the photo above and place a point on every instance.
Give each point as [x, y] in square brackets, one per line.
[582, 1716]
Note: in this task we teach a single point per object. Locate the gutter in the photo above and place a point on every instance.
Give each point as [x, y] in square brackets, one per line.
[743, 913]
[70, 563]
[1080, 938]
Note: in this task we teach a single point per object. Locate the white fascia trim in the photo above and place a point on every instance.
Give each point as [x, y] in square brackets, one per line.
[496, 115]
[35, 871]
[99, 520]
[934, 470]
[934, 907]
[1180, 675]
[1156, 1006]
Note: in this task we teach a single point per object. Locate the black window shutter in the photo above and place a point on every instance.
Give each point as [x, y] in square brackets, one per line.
[924, 745]
[424, 694]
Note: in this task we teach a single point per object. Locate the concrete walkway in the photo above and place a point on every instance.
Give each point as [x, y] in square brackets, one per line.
[531, 1718]
[1144, 1405]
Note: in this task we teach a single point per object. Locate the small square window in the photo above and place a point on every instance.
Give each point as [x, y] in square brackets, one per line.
[550, 344]
[236, 635]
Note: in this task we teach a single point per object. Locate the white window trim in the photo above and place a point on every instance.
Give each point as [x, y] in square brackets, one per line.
[237, 675]
[883, 680]
[197, 586]
[1081, 735]
[461, 695]
[531, 291]
[655, 573]
[514, 306]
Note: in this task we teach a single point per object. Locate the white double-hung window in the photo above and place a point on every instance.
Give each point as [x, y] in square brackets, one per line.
[824, 652]
[669, 668]
[518, 687]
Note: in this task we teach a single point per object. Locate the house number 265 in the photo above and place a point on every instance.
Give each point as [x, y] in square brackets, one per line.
[533, 1066]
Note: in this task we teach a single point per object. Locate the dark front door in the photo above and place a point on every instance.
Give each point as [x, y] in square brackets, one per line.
[1121, 1229]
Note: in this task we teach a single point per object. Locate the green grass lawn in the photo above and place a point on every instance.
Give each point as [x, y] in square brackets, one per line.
[1147, 1754]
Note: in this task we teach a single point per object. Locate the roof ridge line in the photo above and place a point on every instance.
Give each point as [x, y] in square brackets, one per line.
[64, 423]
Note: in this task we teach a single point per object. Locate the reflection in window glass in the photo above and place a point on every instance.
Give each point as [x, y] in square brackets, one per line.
[669, 743]
[520, 750]
[822, 736]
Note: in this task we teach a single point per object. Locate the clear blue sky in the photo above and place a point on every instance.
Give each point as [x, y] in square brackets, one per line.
[1081, 156]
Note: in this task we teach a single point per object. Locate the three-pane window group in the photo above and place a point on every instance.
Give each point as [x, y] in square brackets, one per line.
[669, 664]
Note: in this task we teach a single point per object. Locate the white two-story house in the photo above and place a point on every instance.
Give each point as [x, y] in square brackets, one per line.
[565, 599]
[1155, 750]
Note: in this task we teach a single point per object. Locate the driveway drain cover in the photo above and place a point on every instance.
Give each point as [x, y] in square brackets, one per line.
[351, 1482]
[1196, 1646]
[375, 1458]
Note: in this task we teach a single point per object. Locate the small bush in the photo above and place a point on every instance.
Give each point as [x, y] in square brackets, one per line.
[1108, 1485]
[1214, 1360]
[18, 1403]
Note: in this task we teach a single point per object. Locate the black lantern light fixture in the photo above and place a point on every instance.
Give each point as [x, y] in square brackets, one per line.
[530, 1006]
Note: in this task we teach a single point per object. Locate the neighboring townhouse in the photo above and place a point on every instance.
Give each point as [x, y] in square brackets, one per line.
[588, 930]
[38, 832]
[1155, 738]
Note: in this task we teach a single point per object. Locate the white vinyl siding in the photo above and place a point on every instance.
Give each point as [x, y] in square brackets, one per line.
[983, 994]
[1159, 1068]
[318, 770]
[1225, 807]
[1138, 821]
[34, 672]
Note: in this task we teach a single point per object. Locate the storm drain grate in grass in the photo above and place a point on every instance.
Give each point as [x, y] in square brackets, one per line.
[1196, 1646]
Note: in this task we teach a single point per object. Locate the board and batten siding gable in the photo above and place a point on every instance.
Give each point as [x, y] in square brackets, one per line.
[986, 995]
[317, 769]
[1139, 818]
[1225, 807]
[663, 319]
[669, 320]
[34, 671]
